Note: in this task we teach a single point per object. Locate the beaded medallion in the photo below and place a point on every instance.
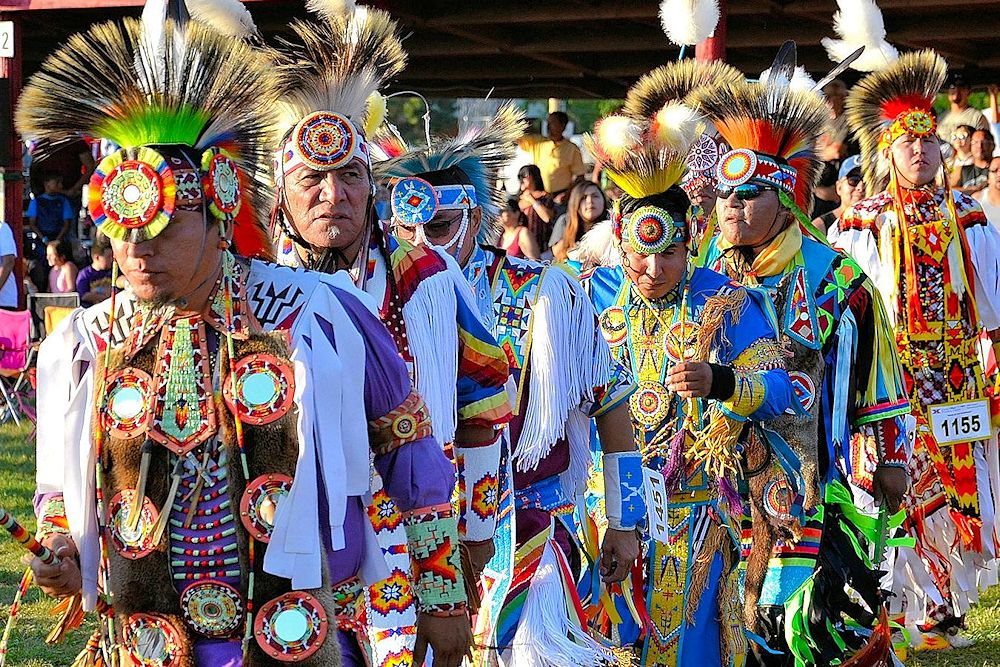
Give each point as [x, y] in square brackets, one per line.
[682, 340]
[413, 201]
[221, 183]
[132, 191]
[128, 542]
[704, 154]
[650, 403]
[264, 389]
[778, 499]
[292, 627]
[151, 641]
[804, 388]
[212, 608]
[127, 411]
[324, 140]
[737, 167]
[260, 502]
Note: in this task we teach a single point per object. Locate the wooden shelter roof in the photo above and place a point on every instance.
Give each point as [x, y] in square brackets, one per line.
[579, 48]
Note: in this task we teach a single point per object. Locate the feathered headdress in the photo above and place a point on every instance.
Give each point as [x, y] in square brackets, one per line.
[893, 102]
[772, 130]
[454, 174]
[328, 79]
[230, 17]
[859, 23]
[190, 109]
[646, 157]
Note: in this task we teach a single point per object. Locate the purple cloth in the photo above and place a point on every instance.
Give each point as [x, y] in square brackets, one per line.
[350, 651]
[415, 475]
[218, 653]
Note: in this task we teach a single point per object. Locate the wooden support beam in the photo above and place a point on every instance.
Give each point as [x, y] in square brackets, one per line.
[10, 168]
[543, 11]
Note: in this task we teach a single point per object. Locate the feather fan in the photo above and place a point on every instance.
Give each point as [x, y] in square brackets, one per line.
[688, 22]
[859, 23]
[913, 81]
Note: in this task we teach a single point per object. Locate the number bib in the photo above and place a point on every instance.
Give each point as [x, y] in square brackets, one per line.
[960, 422]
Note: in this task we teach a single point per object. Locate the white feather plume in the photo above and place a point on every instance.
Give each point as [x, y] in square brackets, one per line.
[229, 17]
[800, 80]
[859, 23]
[152, 53]
[330, 8]
[688, 22]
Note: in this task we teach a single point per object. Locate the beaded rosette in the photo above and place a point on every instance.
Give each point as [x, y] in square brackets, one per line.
[651, 230]
[260, 503]
[912, 122]
[152, 641]
[292, 627]
[742, 165]
[413, 201]
[128, 408]
[213, 609]
[131, 541]
[262, 389]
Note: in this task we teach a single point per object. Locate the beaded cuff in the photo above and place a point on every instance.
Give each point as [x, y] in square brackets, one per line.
[749, 395]
[624, 501]
[432, 538]
[405, 424]
[478, 490]
[52, 517]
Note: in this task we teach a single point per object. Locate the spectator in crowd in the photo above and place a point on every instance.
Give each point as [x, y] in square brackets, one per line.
[62, 276]
[989, 197]
[992, 114]
[961, 142]
[850, 190]
[972, 177]
[537, 209]
[960, 112]
[50, 213]
[516, 240]
[558, 158]
[8, 259]
[586, 207]
[93, 283]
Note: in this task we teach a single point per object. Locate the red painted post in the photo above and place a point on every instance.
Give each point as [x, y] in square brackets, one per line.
[714, 48]
[13, 184]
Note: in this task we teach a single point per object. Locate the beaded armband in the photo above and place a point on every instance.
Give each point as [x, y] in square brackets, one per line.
[432, 538]
[52, 517]
[624, 501]
[478, 491]
[407, 423]
[749, 395]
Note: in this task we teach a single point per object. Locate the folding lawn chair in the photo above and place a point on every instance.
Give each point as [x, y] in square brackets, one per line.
[16, 355]
[39, 303]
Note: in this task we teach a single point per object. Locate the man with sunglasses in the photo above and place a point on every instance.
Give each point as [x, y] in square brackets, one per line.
[841, 359]
[850, 189]
[936, 262]
[562, 378]
[324, 218]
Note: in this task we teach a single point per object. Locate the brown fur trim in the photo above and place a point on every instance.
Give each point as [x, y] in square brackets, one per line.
[145, 585]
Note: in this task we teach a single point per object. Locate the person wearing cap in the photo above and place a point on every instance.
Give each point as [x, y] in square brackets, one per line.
[934, 258]
[563, 380]
[324, 218]
[208, 431]
[810, 563]
[708, 367]
[850, 189]
[959, 111]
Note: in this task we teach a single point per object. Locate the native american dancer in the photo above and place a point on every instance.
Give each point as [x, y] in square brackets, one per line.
[210, 429]
[324, 219]
[800, 569]
[562, 377]
[706, 361]
[934, 259]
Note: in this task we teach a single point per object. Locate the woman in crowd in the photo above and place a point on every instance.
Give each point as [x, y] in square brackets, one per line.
[587, 206]
[535, 204]
[516, 240]
[62, 275]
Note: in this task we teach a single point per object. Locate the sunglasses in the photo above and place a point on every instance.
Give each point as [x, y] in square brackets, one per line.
[853, 181]
[959, 137]
[745, 192]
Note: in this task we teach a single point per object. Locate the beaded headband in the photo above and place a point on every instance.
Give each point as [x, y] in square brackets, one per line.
[913, 122]
[414, 201]
[651, 230]
[323, 141]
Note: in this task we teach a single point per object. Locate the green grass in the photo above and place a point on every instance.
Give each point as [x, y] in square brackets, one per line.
[28, 647]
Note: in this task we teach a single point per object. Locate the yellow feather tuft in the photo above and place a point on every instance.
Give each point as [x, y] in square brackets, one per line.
[377, 110]
[618, 137]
